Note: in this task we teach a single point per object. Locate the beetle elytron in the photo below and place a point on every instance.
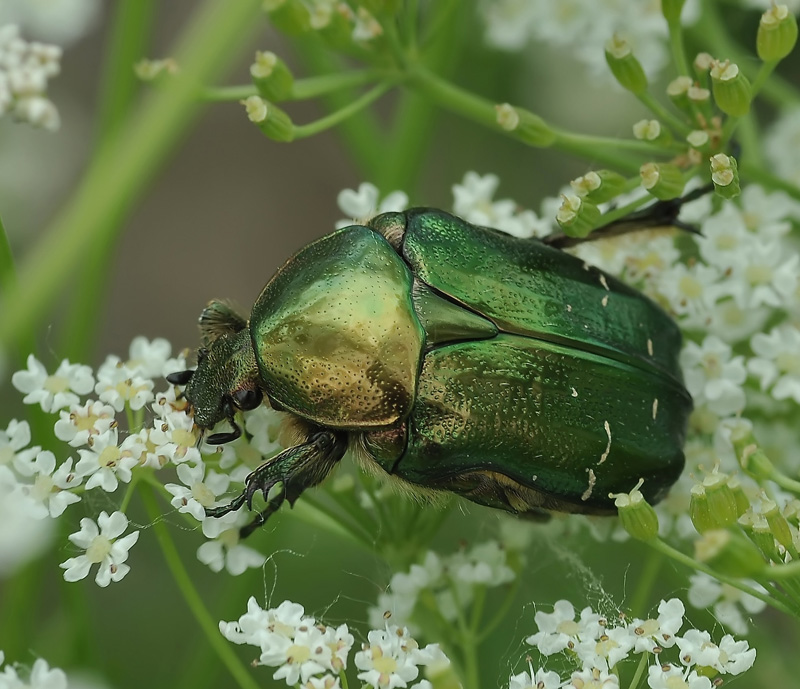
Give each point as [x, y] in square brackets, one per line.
[456, 358]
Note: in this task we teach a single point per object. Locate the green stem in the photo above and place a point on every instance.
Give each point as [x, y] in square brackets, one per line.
[761, 78]
[312, 512]
[482, 111]
[640, 668]
[468, 645]
[8, 274]
[662, 113]
[192, 597]
[500, 614]
[676, 45]
[337, 117]
[644, 584]
[226, 94]
[127, 164]
[690, 562]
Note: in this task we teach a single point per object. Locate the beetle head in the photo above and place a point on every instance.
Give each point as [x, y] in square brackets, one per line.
[226, 379]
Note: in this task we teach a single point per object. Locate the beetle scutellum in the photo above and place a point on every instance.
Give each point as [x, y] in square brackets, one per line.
[456, 358]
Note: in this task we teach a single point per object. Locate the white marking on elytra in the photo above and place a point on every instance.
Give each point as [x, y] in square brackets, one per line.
[588, 492]
[655, 408]
[604, 301]
[604, 282]
[574, 392]
[605, 454]
[649, 346]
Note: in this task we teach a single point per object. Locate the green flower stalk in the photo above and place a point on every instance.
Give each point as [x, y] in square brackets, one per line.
[662, 180]
[731, 88]
[271, 120]
[271, 76]
[627, 70]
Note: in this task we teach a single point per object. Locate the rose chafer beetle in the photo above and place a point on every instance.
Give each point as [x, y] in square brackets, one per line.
[455, 358]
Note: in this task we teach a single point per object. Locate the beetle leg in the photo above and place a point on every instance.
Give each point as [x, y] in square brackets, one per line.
[222, 438]
[287, 475]
[659, 214]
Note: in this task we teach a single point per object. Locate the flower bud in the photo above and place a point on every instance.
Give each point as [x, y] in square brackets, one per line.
[713, 504]
[742, 501]
[757, 530]
[637, 517]
[271, 120]
[753, 459]
[647, 130]
[698, 139]
[529, 128]
[703, 63]
[599, 186]
[729, 552]
[271, 76]
[577, 217]
[627, 70]
[662, 180]
[777, 33]
[725, 175]
[778, 525]
[731, 88]
[290, 16]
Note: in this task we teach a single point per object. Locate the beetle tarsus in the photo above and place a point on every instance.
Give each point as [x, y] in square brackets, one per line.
[180, 377]
[296, 469]
[222, 438]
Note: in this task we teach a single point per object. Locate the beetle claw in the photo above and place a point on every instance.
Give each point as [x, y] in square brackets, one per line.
[222, 438]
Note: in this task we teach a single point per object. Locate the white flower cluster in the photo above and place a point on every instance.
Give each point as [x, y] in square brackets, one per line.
[40, 676]
[599, 645]
[25, 68]
[582, 27]
[43, 486]
[452, 580]
[312, 655]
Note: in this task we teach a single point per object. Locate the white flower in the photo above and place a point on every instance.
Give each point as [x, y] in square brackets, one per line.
[299, 657]
[257, 625]
[22, 535]
[484, 564]
[103, 546]
[781, 144]
[768, 214]
[118, 385]
[391, 658]
[225, 550]
[690, 291]
[472, 201]
[364, 204]
[559, 630]
[540, 679]
[607, 650]
[765, 274]
[593, 678]
[175, 437]
[706, 592]
[106, 463]
[698, 649]
[264, 425]
[12, 441]
[659, 633]
[82, 421]
[735, 657]
[777, 361]
[53, 392]
[51, 487]
[153, 359]
[61, 21]
[199, 490]
[673, 677]
[712, 377]
[41, 677]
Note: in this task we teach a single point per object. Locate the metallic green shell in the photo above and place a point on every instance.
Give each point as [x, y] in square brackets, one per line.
[335, 335]
[569, 424]
[531, 289]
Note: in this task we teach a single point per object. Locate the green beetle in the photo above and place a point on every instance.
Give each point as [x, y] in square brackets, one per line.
[455, 358]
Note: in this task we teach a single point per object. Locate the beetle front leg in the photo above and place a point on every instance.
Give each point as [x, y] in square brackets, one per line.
[287, 475]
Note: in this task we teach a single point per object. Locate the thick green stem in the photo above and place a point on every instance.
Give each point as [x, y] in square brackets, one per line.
[8, 274]
[690, 562]
[127, 164]
[192, 597]
[337, 117]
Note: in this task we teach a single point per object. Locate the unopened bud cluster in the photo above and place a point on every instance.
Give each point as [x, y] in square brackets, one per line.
[25, 68]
